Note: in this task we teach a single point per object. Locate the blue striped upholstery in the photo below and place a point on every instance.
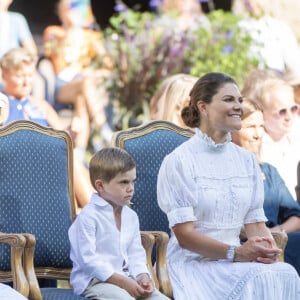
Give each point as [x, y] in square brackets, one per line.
[59, 294]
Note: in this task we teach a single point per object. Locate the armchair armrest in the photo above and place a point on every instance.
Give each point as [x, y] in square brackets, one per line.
[17, 243]
[161, 240]
[148, 241]
[281, 239]
[34, 290]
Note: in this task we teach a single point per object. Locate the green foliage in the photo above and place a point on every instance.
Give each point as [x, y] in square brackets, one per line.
[223, 49]
[145, 52]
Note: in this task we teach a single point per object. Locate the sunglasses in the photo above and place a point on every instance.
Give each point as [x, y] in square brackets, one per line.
[283, 112]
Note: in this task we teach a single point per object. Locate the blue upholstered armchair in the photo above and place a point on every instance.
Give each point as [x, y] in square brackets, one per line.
[36, 197]
[37, 200]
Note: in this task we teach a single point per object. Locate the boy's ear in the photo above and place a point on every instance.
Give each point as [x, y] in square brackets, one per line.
[99, 185]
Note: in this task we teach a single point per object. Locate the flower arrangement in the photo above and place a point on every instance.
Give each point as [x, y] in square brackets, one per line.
[225, 48]
[145, 52]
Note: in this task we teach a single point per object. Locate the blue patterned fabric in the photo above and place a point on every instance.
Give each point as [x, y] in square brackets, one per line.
[59, 294]
[148, 151]
[34, 195]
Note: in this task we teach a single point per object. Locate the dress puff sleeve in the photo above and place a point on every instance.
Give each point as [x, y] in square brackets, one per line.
[176, 190]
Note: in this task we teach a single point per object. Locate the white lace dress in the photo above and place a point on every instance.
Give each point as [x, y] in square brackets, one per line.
[219, 187]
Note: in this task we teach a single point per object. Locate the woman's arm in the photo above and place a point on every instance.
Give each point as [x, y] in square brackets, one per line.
[188, 238]
[257, 229]
[30, 45]
[259, 247]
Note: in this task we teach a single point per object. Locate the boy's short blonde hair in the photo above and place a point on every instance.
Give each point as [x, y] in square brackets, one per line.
[107, 163]
[14, 58]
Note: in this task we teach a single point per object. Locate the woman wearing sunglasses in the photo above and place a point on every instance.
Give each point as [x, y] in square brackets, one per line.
[281, 139]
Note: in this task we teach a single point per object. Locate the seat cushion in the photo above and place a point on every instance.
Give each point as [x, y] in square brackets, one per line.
[59, 294]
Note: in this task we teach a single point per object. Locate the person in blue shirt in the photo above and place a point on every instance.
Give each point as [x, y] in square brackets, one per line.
[14, 30]
[281, 209]
[17, 69]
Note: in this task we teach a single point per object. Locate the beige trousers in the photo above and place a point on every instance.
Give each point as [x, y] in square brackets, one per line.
[98, 290]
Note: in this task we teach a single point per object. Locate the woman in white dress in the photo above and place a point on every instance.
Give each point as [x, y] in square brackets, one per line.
[209, 188]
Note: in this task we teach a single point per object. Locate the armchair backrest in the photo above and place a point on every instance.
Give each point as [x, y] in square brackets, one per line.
[36, 192]
[148, 144]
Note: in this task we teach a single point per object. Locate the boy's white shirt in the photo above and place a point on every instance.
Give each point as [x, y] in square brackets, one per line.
[99, 249]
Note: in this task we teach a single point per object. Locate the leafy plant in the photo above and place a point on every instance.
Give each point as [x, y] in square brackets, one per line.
[145, 53]
[225, 48]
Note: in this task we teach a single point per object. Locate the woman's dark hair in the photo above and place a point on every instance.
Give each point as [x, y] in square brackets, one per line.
[204, 89]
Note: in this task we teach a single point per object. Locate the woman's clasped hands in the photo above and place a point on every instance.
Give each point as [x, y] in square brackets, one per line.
[259, 249]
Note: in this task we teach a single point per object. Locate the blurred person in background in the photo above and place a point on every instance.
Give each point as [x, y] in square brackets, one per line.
[14, 30]
[18, 67]
[73, 47]
[274, 42]
[281, 140]
[188, 14]
[281, 209]
[170, 97]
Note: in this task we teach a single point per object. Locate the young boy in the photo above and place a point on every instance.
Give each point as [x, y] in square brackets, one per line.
[109, 261]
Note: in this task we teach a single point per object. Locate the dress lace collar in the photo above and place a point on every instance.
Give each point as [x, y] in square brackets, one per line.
[210, 143]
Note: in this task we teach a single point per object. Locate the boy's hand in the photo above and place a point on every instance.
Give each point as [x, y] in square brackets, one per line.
[132, 287]
[146, 283]
[126, 283]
